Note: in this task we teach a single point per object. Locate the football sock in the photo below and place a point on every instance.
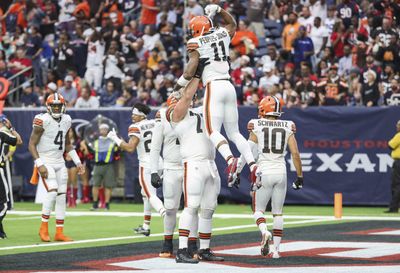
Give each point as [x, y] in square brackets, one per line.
[147, 213]
[60, 209]
[277, 230]
[48, 205]
[185, 224]
[260, 221]
[205, 226]
[170, 221]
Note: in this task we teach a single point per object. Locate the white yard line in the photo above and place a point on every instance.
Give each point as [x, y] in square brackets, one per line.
[151, 235]
[217, 215]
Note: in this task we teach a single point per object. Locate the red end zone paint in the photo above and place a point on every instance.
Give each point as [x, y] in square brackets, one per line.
[368, 231]
[107, 264]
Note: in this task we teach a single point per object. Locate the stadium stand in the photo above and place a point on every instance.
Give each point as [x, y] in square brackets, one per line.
[140, 47]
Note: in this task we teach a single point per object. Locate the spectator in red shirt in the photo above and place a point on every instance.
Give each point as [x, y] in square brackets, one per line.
[20, 62]
[339, 38]
[149, 13]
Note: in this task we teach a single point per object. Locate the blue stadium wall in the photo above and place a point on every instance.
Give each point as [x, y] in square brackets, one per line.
[343, 149]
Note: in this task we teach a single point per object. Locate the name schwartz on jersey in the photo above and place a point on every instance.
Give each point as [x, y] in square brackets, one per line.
[275, 123]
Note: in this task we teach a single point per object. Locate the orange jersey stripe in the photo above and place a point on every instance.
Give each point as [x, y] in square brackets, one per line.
[133, 130]
[143, 183]
[169, 112]
[185, 183]
[38, 122]
[207, 108]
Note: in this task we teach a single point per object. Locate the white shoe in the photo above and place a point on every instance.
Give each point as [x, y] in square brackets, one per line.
[275, 255]
[265, 243]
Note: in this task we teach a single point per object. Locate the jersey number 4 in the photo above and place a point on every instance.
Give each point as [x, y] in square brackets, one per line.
[268, 148]
[216, 51]
[59, 140]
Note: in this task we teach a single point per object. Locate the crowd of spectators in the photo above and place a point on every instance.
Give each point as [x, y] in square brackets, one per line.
[115, 53]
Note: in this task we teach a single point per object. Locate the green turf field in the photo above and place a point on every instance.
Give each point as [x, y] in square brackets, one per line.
[89, 229]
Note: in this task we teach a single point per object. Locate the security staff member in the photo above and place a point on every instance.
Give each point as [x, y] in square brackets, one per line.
[12, 138]
[103, 172]
[394, 144]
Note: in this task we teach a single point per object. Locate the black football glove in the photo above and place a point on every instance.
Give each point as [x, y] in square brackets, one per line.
[298, 184]
[156, 181]
[203, 62]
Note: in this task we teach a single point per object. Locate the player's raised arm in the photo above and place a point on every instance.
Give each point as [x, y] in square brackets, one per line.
[129, 146]
[294, 150]
[189, 71]
[182, 106]
[230, 22]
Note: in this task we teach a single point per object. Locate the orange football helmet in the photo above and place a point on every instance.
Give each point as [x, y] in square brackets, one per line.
[270, 106]
[200, 25]
[55, 105]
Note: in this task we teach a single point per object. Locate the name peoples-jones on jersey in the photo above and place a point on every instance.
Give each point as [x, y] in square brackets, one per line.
[213, 38]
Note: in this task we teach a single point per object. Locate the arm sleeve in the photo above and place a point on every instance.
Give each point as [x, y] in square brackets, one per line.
[395, 141]
[155, 148]
[8, 139]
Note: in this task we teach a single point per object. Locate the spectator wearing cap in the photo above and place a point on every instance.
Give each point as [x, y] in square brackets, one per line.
[245, 40]
[192, 9]
[306, 19]
[113, 66]
[149, 13]
[50, 89]
[290, 31]
[346, 62]
[69, 92]
[94, 62]
[33, 51]
[370, 90]
[268, 80]
[109, 96]
[303, 47]
[332, 89]
[28, 97]
[86, 100]
[255, 13]
[392, 97]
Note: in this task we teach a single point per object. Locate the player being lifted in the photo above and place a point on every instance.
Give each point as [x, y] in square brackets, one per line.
[202, 183]
[140, 132]
[220, 106]
[268, 139]
[164, 137]
[47, 144]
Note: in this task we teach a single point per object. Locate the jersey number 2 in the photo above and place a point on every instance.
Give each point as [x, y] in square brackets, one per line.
[147, 142]
[59, 140]
[216, 54]
[267, 147]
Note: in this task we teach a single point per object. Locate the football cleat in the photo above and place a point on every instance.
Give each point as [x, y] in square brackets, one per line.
[60, 236]
[44, 232]
[182, 256]
[231, 170]
[3, 235]
[275, 255]
[141, 230]
[167, 250]
[193, 250]
[266, 239]
[208, 255]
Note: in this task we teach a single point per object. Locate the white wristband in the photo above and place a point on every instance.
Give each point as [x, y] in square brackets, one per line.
[117, 140]
[75, 158]
[38, 162]
[182, 81]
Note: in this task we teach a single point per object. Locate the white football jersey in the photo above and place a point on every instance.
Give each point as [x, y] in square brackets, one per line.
[144, 131]
[215, 47]
[171, 146]
[51, 145]
[195, 145]
[272, 136]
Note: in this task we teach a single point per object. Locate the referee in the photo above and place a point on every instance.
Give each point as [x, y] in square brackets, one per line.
[12, 138]
[394, 144]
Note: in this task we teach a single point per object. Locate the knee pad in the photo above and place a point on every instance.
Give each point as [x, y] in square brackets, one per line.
[191, 211]
[206, 213]
[171, 212]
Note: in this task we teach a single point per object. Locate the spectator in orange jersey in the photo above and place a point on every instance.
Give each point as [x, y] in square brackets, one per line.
[18, 10]
[290, 31]
[245, 40]
[149, 13]
[82, 10]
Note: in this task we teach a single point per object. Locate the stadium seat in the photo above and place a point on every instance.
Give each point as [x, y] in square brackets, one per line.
[261, 42]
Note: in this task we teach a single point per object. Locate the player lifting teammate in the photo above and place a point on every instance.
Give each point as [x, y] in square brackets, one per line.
[47, 144]
[268, 139]
[140, 133]
[220, 106]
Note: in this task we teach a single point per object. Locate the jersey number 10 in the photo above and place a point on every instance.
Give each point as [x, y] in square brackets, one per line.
[216, 51]
[268, 148]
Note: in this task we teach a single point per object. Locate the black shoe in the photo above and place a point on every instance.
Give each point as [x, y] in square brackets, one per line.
[167, 250]
[95, 206]
[107, 206]
[141, 230]
[208, 255]
[192, 249]
[182, 256]
[3, 235]
[391, 211]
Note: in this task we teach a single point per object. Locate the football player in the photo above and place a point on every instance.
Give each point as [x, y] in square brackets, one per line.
[220, 105]
[268, 139]
[47, 144]
[140, 133]
[201, 182]
[165, 137]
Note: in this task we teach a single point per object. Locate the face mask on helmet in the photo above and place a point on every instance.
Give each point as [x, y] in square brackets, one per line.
[56, 110]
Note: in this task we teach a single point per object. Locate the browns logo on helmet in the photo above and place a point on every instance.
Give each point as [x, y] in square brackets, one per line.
[55, 104]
